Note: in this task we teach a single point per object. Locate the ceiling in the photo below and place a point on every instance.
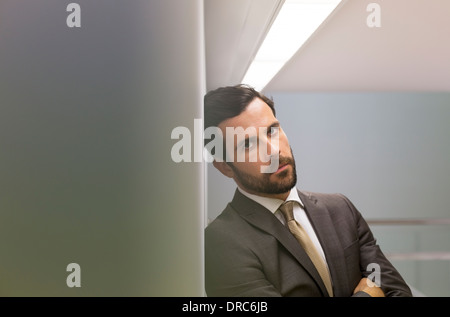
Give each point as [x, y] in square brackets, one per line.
[410, 51]
[234, 30]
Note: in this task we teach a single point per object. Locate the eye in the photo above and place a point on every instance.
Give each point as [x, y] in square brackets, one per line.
[249, 143]
[273, 131]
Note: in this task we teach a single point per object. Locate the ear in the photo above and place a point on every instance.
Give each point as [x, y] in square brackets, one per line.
[224, 168]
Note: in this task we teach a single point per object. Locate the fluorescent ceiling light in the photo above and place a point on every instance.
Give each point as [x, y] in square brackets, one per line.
[294, 24]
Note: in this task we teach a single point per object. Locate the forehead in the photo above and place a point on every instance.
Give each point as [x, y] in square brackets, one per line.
[257, 114]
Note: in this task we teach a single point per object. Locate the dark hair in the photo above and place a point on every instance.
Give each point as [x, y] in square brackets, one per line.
[227, 102]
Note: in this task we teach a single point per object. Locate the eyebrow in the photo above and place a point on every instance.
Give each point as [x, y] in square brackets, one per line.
[276, 124]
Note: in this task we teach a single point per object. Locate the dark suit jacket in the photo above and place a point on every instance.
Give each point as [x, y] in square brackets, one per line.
[249, 252]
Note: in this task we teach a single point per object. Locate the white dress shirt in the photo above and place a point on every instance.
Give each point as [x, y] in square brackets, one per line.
[300, 216]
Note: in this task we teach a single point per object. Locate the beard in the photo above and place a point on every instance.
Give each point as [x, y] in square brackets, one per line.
[262, 183]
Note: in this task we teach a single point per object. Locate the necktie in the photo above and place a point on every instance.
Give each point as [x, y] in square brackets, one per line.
[302, 237]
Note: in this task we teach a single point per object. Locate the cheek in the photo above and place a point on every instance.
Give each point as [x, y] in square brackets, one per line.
[284, 142]
[250, 168]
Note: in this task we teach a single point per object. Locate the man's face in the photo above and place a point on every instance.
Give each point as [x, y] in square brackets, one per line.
[258, 120]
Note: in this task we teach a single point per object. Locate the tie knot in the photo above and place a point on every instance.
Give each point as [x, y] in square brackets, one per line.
[287, 209]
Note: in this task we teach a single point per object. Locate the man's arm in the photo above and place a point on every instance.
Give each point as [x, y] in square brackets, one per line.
[391, 282]
[366, 288]
[235, 271]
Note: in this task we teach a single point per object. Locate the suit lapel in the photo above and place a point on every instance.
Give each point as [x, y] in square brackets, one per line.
[322, 223]
[260, 217]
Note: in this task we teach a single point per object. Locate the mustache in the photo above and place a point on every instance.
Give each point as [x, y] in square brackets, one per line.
[283, 160]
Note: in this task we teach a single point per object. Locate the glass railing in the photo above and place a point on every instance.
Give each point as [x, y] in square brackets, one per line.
[420, 250]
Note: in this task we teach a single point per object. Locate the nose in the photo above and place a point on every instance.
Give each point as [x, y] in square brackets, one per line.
[271, 155]
[269, 147]
[274, 145]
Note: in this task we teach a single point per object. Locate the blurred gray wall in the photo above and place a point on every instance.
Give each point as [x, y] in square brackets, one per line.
[86, 175]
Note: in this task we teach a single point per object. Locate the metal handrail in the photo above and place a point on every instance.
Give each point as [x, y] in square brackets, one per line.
[424, 221]
[420, 256]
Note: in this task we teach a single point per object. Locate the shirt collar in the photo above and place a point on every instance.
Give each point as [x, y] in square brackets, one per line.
[273, 204]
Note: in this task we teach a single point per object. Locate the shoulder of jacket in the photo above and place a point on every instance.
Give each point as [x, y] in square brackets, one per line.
[323, 196]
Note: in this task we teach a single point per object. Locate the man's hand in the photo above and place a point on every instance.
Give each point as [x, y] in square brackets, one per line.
[367, 286]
